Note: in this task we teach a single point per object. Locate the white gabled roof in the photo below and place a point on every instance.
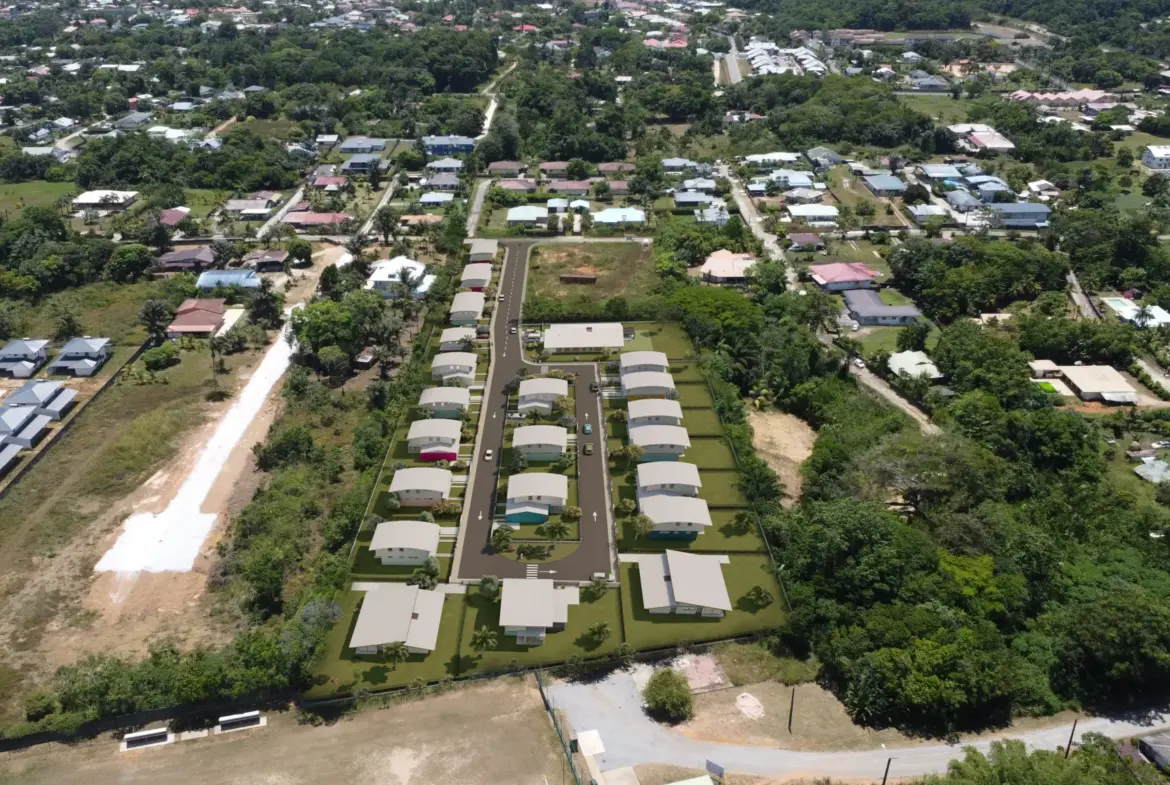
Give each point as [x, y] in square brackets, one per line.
[584, 336]
[542, 385]
[654, 407]
[666, 472]
[535, 602]
[479, 271]
[421, 478]
[435, 395]
[446, 429]
[647, 435]
[421, 535]
[668, 508]
[695, 580]
[631, 359]
[639, 379]
[538, 484]
[468, 301]
[458, 359]
[399, 613]
[540, 434]
[456, 334]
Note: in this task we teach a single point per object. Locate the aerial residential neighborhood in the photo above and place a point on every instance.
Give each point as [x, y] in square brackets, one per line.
[612, 393]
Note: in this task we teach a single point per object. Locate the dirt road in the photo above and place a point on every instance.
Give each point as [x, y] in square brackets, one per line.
[495, 733]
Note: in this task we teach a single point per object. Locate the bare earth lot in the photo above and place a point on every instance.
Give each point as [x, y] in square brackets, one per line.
[496, 733]
[624, 269]
[784, 442]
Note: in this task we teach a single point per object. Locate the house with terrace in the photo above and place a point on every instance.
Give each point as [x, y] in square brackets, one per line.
[683, 583]
[467, 307]
[435, 439]
[530, 608]
[660, 442]
[533, 496]
[539, 394]
[398, 613]
[675, 517]
[445, 165]
[404, 543]
[648, 384]
[540, 442]
[48, 398]
[454, 368]
[673, 478]
[446, 402]
[653, 411]
[421, 486]
[21, 358]
[81, 356]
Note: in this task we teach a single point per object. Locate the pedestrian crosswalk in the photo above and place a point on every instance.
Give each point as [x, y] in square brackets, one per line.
[532, 571]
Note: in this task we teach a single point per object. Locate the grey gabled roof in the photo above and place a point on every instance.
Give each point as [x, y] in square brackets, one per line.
[440, 428]
[22, 347]
[865, 302]
[538, 484]
[35, 392]
[398, 613]
[657, 435]
[456, 395]
[694, 579]
[654, 407]
[424, 478]
[667, 508]
[84, 346]
[666, 472]
[406, 534]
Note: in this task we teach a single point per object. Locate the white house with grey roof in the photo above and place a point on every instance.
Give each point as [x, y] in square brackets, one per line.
[540, 442]
[436, 439]
[467, 307]
[476, 276]
[532, 607]
[447, 402]
[533, 496]
[568, 338]
[9, 457]
[653, 411]
[404, 543]
[483, 250]
[22, 426]
[21, 358]
[647, 384]
[81, 356]
[454, 339]
[539, 394]
[421, 486]
[52, 399]
[660, 442]
[674, 478]
[634, 362]
[675, 517]
[454, 368]
[683, 583]
[398, 613]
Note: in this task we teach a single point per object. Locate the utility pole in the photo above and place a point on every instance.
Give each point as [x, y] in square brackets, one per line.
[1068, 747]
[887, 774]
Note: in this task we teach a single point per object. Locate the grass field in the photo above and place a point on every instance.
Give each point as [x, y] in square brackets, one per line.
[710, 452]
[669, 338]
[854, 251]
[275, 129]
[203, 200]
[693, 395]
[106, 309]
[877, 338]
[622, 269]
[646, 630]
[943, 109]
[37, 193]
[702, 422]
[723, 536]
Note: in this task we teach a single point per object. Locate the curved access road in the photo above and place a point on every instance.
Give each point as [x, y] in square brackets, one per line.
[613, 707]
[474, 557]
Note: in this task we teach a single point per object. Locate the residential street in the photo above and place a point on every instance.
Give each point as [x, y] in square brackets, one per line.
[481, 189]
[733, 72]
[474, 557]
[613, 707]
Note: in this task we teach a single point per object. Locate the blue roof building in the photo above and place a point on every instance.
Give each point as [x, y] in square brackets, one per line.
[885, 185]
[1020, 215]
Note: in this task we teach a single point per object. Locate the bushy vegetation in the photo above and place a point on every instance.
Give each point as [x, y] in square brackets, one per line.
[668, 696]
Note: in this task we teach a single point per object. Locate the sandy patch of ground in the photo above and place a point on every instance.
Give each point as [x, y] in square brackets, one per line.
[493, 733]
[819, 722]
[784, 441]
[662, 774]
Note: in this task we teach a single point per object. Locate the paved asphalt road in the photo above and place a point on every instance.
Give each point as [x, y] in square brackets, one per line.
[733, 73]
[476, 558]
[613, 707]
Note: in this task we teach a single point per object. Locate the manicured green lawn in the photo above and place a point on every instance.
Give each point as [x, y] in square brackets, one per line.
[558, 646]
[694, 395]
[943, 109]
[341, 672]
[702, 422]
[646, 630]
[891, 296]
[36, 193]
[203, 200]
[667, 337]
[877, 338]
[366, 565]
[686, 372]
[721, 488]
[723, 536]
[709, 452]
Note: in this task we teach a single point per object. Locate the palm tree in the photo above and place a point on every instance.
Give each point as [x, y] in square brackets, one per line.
[484, 639]
[1143, 316]
[385, 222]
[556, 530]
[502, 539]
[395, 653]
[600, 631]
